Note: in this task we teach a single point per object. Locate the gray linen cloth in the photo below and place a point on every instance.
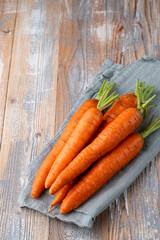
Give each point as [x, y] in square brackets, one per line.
[146, 69]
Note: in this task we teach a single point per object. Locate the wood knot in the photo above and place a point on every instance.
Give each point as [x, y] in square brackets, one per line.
[38, 134]
[120, 28]
[14, 100]
[7, 31]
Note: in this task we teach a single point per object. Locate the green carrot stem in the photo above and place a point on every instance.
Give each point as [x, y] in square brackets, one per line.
[147, 89]
[150, 121]
[142, 86]
[111, 85]
[152, 127]
[148, 101]
[109, 101]
[146, 95]
[105, 100]
[136, 90]
[139, 97]
[102, 88]
[142, 95]
[153, 105]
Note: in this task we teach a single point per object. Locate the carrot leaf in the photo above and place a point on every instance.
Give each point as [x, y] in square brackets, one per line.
[148, 93]
[152, 127]
[143, 97]
[102, 88]
[105, 100]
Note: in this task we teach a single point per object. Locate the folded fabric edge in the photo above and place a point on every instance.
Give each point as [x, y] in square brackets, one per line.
[148, 58]
[83, 219]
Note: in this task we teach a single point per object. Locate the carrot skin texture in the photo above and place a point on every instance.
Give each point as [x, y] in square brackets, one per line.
[61, 194]
[84, 131]
[124, 102]
[106, 141]
[102, 171]
[39, 181]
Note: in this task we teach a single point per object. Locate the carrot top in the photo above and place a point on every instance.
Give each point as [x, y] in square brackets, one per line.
[106, 101]
[151, 127]
[102, 88]
[143, 97]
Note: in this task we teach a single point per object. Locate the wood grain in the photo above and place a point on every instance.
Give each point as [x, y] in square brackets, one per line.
[49, 52]
[31, 92]
[8, 11]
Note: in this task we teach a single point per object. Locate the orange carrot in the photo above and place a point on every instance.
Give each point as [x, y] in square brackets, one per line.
[106, 141]
[61, 194]
[105, 168]
[124, 102]
[38, 184]
[101, 172]
[84, 131]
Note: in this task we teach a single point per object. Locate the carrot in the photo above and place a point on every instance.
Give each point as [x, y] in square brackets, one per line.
[61, 194]
[84, 131]
[107, 140]
[38, 184]
[105, 168]
[124, 102]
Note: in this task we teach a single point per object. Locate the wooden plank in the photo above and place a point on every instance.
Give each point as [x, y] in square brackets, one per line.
[81, 52]
[31, 97]
[7, 26]
[79, 56]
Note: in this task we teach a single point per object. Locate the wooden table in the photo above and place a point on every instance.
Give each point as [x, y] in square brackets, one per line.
[49, 51]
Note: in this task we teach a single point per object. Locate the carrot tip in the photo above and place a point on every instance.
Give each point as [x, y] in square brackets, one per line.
[51, 191]
[50, 208]
[54, 203]
[32, 195]
[46, 185]
[62, 211]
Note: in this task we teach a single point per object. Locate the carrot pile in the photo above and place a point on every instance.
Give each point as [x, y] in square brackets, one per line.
[101, 143]
[84, 131]
[105, 168]
[39, 181]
